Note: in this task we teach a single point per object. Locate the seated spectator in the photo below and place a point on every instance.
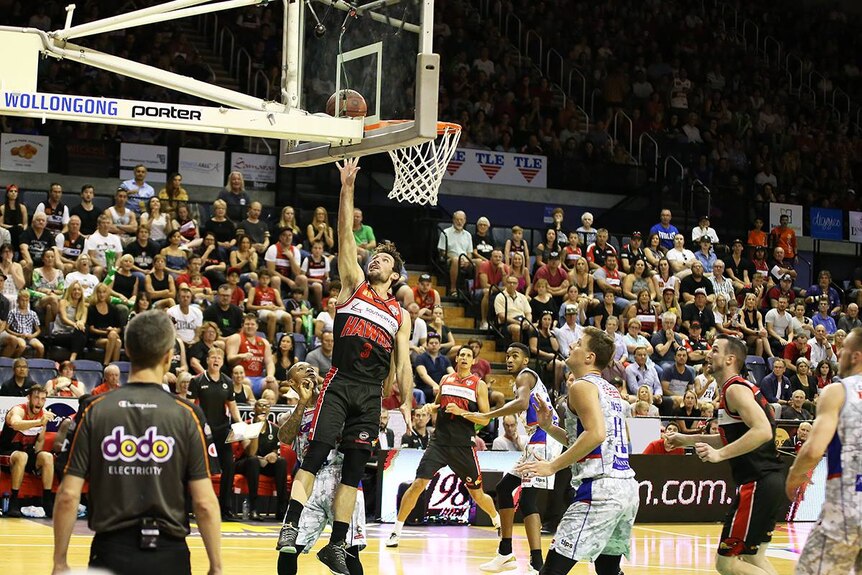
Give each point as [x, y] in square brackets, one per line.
[187, 226]
[431, 366]
[516, 245]
[138, 190]
[65, 384]
[739, 268]
[662, 446]
[176, 257]
[227, 316]
[823, 319]
[222, 227]
[320, 230]
[794, 408]
[780, 266]
[705, 387]
[697, 311]
[244, 258]
[255, 229]
[110, 380]
[555, 275]
[823, 290]
[421, 433]
[635, 338]
[598, 252]
[824, 374]
[784, 287]
[261, 457]
[206, 339]
[490, 277]
[653, 251]
[511, 440]
[512, 308]
[701, 230]
[778, 324]
[721, 284]
[572, 252]
[570, 332]
[173, 195]
[663, 279]
[234, 197]
[456, 246]
[753, 331]
[637, 281]
[35, 241]
[316, 269]
[677, 378]
[586, 230]
[666, 341]
[73, 245]
[608, 279]
[543, 250]
[238, 295]
[187, 317]
[283, 261]
[639, 373]
[705, 255]
[266, 302]
[545, 348]
[775, 386]
[19, 384]
[419, 333]
[850, 319]
[633, 252]
[686, 413]
[696, 345]
[483, 243]
[125, 284]
[301, 311]
[519, 269]
[320, 358]
[646, 397]
[797, 348]
[425, 296]
[325, 320]
[104, 326]
[157, 220]
[23, 323]
[386, 437]
[695, 281]
[364, 236]
[804, 379]
[681, 259]
[819, 347]
[82, 275]
[438, 326]
[254, 353]
[23, 447]
[725, 322]
[666, 231]
[480, 366]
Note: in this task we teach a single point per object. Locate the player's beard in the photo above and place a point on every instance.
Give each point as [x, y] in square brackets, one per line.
[377, 276]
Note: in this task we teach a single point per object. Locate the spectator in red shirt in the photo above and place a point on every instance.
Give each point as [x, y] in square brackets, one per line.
[110, 382]
[796, 349]
[426, 297]
[556, 276]
[661, 446]
[784, 237]
[480, 366]
[490, 273]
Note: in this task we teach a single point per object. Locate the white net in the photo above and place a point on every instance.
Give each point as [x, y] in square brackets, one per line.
[419, 169]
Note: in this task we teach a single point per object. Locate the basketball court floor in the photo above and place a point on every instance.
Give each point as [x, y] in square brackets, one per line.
[26, 547]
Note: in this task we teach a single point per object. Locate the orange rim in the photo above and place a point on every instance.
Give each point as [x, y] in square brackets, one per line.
[442, 127]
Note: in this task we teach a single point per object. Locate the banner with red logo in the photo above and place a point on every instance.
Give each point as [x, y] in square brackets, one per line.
[486, 167]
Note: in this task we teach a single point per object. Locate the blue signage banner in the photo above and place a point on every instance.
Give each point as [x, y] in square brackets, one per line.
[827, 224]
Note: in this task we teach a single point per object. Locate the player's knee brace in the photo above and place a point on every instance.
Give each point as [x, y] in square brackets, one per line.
[608, 564]
[315, 457]
[529, 502]
[354, 466]
[505, 488]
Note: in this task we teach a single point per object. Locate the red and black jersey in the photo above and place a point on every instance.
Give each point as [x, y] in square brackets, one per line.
[755, 464]
[12, 440]
[364, 328]
[455, 430]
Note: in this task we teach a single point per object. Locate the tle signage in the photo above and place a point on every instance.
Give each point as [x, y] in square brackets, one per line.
[486, 167]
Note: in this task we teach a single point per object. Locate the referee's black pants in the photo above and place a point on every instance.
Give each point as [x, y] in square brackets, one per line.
[120, 552]
[225, 460]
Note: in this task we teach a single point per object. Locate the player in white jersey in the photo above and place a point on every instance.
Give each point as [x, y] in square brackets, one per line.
[597, 525]
[528, 388]
[834, 546]
[318, 510]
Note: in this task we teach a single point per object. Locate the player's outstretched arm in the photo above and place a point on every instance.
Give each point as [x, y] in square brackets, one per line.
[584, 399]
[544, 416]
[740, 398]
[523, 385]
[828, 411]
[404, 367]
[688, 440]
[348, 267]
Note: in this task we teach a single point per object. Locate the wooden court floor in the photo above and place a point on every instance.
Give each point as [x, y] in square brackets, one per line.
[26, 547]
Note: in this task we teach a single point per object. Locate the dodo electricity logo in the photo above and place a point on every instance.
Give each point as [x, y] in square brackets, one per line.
[149, 447]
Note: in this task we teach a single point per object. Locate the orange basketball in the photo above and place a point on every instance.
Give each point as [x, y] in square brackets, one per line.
[351, 104]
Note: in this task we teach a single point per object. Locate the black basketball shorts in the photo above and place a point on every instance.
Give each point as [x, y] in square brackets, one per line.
[347, 414]
[755, 510]
[461, 459]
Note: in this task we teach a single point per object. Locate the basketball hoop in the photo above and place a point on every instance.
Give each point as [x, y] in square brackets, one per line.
[419, 169]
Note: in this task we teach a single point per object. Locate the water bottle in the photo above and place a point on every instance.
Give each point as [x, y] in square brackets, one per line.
[245, 509]
[5, 504]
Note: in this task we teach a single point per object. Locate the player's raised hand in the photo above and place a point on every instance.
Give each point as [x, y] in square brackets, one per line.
[348, 169]
[544, 415]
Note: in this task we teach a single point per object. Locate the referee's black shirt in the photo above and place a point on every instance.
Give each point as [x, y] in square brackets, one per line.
[139, 446]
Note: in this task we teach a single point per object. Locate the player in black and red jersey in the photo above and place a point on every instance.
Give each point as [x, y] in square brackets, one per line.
[452, 442]
[746, 440]
[372, 338]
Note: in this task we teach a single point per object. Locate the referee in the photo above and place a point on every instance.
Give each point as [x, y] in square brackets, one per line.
[141, 449]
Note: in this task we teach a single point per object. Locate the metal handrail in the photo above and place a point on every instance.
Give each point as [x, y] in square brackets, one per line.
[640, 152]
[583, 101]
[260, 74]
[789, 80]
[813, 86]
[224, 32]
[509, 16]
[532, 33]
[745, 35]
[240, 53]
[809, 90]
[801, 66]
[631, 129]
[835, 93]
[559, 57]
[696, 183]
[669, 159]
[775, 41]
[858, 112]
[725, 6]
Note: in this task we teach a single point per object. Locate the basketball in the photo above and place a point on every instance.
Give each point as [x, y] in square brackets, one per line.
[351, 104]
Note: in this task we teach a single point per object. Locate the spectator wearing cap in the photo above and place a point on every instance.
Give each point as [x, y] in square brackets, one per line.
[699, 311]
[780, 265]
[739, 268]
[666, 231]
[632, 252]
[431, 366]
[555, 275]
[695, 280]
[822, 288]
[489, 275]
[426, 297]
[702, 229]
[454, 243]
[706, 255]
[784, 287]
[598, 252]
[696, 345]
[758, 260]
[512, 309]
[570, 332]
[483, 242]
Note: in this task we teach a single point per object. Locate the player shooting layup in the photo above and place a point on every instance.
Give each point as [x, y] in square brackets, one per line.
[834, 546]
[371, 338]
